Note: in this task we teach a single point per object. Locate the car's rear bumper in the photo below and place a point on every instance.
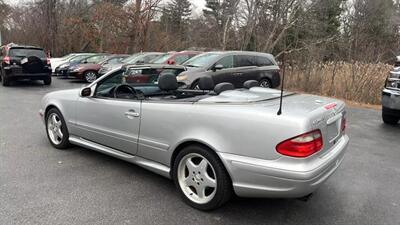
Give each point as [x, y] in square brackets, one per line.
[391, 101]
[32, 76]
[282, 178]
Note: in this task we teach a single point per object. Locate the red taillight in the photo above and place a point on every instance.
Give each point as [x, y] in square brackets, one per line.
[301, 146]
[7, 60]
[48, 61]
[330, 106]
[343, 125]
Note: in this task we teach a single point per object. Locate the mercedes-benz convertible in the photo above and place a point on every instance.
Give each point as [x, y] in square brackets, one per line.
[213, 142]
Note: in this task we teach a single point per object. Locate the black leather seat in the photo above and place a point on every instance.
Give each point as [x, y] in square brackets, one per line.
[167, 82]
[206, 84]
[221, 87]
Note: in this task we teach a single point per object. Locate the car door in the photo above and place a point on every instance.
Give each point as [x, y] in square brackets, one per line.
[246, 69]
[226, 74]
[109, 121]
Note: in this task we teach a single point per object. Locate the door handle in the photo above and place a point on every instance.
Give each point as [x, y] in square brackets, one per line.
[132, 113]
[237, 74]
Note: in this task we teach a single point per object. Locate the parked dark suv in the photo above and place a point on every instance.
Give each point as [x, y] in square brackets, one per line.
[24, 62]
[391, 98]
[235, 67]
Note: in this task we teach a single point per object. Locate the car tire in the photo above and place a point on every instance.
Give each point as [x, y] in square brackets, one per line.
[47, 81]
[5, 81]
[195, 170]
[195, 85]
[90, 76]
[265, 83]
[389, 119]
[55, 123]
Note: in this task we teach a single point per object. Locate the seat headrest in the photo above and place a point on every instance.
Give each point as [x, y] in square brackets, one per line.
[250, 83]
[206, 83]
[168, 82]
[221, 87]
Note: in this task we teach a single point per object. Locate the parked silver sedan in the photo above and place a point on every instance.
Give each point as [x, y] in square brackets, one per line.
[212, 142]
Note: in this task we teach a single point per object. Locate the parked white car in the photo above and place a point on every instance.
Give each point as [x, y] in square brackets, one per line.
[55, 62]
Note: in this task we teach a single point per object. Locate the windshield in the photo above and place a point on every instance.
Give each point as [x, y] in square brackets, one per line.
[66, 57]
[96, 59]
[161, 59]
[202, 60]
[130, 58]
[78, 57]
[26, 52]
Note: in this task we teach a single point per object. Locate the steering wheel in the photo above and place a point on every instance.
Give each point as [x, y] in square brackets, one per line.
[124, 91]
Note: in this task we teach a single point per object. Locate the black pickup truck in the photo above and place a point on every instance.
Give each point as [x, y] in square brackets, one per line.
[24, 62]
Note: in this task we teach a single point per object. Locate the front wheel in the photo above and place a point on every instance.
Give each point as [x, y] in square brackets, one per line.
[90, 76]
[389, 119]
[195, 85]
[56, 129]
[201, 178]
[265, 83]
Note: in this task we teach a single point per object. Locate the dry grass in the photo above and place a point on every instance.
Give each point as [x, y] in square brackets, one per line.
[357, 82]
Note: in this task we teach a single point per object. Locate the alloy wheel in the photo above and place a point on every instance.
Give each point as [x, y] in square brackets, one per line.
[265, 84]
[90, 77]
[54, 128]
[197, 178]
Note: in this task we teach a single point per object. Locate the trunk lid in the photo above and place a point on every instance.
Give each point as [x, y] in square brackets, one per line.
[325, 114]
[310, 112]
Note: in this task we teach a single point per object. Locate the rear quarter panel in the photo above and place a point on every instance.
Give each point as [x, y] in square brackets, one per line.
[241, 129]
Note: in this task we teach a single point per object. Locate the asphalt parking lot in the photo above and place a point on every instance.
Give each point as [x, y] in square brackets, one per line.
[42, 185]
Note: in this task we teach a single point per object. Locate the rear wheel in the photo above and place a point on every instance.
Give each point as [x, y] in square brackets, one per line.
[47, 81]
[389, 119]
[201, 178]
[6, 81]
[90, 76]
[56, 129]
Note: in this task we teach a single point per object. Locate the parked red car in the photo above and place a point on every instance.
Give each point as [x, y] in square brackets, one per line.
[89, 71]
[177, 58]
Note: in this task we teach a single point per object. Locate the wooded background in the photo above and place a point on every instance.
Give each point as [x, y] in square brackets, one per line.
[325, 34]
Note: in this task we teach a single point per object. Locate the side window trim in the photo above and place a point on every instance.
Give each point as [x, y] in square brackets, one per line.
[237, 61]
[233, 62]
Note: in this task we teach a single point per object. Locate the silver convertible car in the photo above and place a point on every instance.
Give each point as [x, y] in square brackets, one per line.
[211, 142]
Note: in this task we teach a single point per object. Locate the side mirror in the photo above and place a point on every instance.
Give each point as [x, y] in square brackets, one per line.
[218, 67]
[85, 61]
[86, 92]
[140, 62]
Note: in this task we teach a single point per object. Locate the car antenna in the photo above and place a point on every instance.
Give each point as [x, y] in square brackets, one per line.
[282, 84]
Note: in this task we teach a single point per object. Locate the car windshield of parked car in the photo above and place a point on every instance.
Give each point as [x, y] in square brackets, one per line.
[179, 59]
[78, 58]
[96, 59]
[145, 58]
[202, 60]
[26, 52]
[161, 59]
[130, 58]
[66, 57]
[114, 60]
